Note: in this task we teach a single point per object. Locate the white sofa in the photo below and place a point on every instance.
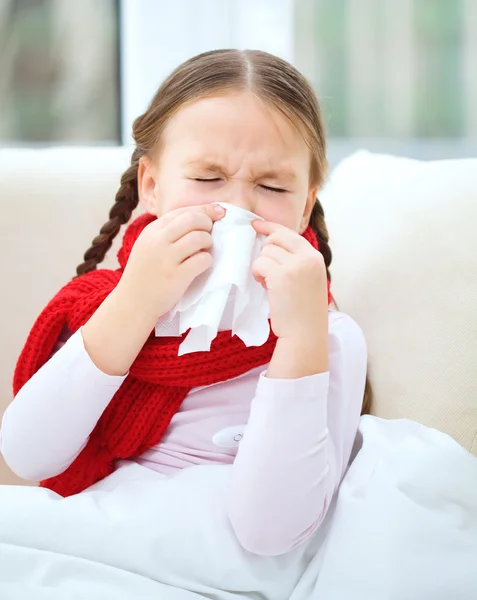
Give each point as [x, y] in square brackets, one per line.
[404, 236]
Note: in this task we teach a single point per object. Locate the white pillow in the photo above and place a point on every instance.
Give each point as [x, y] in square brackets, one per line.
[404, 242]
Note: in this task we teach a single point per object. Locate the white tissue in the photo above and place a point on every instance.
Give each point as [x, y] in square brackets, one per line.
[226, 297]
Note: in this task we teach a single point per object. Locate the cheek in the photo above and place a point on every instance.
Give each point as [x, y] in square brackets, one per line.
[284, 210]
[276, 213]
[180, 194]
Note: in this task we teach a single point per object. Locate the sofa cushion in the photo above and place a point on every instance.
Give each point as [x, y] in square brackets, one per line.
[404, 238]
[53, 203]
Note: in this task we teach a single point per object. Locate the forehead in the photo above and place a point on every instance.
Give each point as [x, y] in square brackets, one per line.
[234, 124]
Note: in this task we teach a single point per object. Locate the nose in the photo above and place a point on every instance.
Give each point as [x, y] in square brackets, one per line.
[240, 194]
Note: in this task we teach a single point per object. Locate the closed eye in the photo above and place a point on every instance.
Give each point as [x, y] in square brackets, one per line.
[273, 189]
[265, 187]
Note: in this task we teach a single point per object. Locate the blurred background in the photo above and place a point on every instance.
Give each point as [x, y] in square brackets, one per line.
[395, 76]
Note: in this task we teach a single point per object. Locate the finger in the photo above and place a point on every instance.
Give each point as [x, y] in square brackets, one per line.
[287, 239]
[266, 227]
[280, 236]
[195, 265]
[264, 269]
[191, 243]
[187, 221]
[276, 253]
[213, 211]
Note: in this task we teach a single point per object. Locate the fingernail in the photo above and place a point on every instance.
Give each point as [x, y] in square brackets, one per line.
[219, 209]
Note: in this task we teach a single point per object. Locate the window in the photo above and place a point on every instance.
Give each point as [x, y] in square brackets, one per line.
[394, 76]
[59, 78]
[397, 75]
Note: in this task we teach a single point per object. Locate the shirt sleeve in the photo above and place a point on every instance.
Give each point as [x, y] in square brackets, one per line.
[296, 447]
[51, 418]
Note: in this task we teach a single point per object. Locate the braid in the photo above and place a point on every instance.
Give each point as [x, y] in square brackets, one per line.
[127, 199]
[367, 397]
[317, 222]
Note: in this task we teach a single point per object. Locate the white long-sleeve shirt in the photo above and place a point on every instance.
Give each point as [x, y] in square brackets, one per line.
[289, 440]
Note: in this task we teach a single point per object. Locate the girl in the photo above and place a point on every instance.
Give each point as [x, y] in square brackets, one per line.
[227, 126]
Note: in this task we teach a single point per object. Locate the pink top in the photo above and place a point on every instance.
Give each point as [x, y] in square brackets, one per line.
[289, 440]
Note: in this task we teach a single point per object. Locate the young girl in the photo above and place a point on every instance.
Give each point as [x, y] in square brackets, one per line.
[95, 388]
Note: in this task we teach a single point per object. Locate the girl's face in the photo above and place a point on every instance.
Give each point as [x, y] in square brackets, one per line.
[234, 149]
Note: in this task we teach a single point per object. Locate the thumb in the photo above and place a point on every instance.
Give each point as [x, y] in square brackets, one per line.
[214, 211]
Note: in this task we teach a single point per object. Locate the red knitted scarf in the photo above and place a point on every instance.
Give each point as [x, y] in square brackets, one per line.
[159, 380]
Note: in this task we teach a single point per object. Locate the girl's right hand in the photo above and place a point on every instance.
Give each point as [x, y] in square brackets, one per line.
[167, 256]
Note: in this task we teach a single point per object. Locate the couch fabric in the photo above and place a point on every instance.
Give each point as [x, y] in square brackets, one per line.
[404, 236]
[404, 239]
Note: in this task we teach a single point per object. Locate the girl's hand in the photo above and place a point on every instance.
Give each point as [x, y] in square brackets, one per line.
[168, 255]
[294, 274]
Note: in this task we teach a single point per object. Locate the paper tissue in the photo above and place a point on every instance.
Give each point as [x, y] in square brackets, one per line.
[226, 297]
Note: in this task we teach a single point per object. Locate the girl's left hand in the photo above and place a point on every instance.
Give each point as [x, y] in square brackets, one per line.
[294, 274]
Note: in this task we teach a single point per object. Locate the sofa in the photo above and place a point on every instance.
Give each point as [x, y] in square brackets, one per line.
[404, 239]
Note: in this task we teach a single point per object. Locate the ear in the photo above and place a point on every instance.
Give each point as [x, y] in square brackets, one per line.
[310, 203]
[146, 185]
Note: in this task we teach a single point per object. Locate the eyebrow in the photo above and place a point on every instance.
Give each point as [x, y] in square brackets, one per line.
[207, 165]
[215, 167]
